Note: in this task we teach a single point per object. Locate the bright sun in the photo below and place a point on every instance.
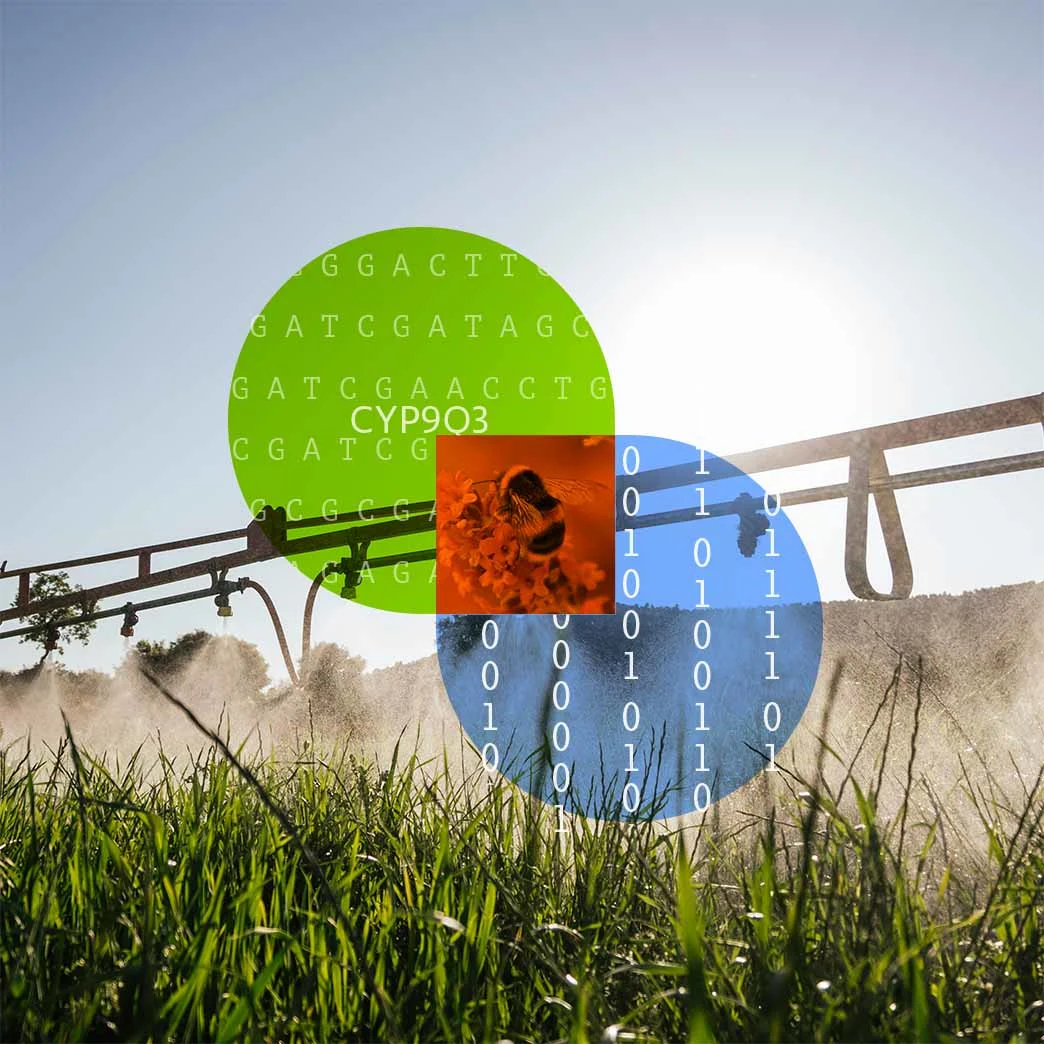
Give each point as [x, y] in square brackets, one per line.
[734, 353]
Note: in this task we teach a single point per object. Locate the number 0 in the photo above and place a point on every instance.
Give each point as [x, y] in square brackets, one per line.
[490, 627]
[771, 706]
[490, 762]
[701, 552]
[633, 452]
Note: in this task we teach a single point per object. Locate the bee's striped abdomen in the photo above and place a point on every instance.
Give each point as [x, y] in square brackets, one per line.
[548, 540]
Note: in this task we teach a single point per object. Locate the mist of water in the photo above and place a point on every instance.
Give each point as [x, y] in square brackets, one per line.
[977, 658]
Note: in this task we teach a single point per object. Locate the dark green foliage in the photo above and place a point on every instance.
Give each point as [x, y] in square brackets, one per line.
[54, 585]
[168, 658]
[332, 678]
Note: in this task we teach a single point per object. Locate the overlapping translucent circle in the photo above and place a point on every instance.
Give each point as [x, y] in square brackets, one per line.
[683, 695]
[371, 350]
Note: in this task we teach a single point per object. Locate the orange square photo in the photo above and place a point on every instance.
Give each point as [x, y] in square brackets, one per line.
[525, 524]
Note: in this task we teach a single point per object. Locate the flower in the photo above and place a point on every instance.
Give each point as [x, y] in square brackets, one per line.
[453, 494]
[480, 549]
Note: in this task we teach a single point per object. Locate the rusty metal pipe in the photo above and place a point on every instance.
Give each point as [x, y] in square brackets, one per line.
[259, 549]
[105, 614]
[996, 416]
[839, 490]
[277, 624]
[306, 626]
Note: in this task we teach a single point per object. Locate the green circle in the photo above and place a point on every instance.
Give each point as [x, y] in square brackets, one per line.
[410, 333]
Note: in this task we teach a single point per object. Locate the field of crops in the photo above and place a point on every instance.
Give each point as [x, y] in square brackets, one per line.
[313, 901]
[314, 897]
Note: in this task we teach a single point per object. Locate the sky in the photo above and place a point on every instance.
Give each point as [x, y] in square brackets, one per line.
[781, 220]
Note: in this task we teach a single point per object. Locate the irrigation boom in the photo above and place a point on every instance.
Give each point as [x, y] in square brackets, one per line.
[868, 476]
[268, 535]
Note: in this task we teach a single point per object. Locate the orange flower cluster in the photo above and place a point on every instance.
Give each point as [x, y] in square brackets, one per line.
[480, 549]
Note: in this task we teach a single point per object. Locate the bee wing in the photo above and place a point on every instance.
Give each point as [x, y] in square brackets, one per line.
[524, 516]
[572, 491]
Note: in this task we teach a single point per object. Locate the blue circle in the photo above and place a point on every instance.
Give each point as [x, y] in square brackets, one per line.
[684, 694]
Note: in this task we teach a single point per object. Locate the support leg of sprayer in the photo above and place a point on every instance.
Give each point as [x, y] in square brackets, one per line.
[865, 463]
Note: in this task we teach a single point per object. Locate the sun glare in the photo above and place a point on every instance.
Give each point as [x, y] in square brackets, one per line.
[742, 352]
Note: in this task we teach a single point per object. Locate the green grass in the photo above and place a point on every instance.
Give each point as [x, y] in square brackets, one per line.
[305, 900]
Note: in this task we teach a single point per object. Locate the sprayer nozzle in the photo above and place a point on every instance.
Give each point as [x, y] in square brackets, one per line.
[130, 618]
[224, 610]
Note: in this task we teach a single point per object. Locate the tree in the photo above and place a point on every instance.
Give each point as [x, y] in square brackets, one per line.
[333, 678]
[165, 659]
[46, 632]
[223, 664]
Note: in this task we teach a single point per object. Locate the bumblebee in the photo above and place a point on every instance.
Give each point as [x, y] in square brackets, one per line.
[533, 506]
